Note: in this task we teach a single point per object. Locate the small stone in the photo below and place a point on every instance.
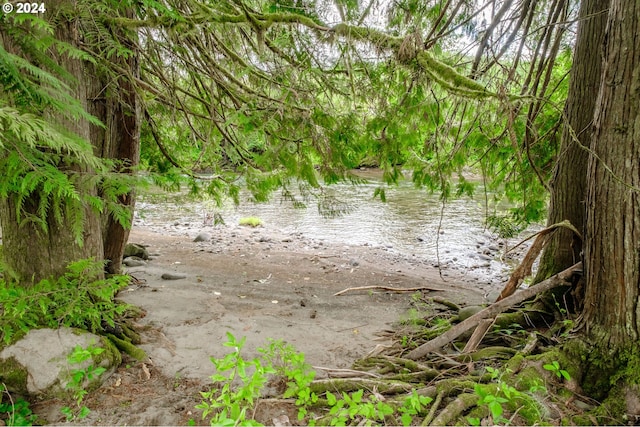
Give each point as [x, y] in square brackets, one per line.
[173, 276]
[202, 237]
[354, 263]
[133, 262]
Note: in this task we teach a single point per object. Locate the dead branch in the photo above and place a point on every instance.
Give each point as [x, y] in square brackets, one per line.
[346, 373]
[493, 310]
[524, 269]
[338, 385]
[388, 288]
[478, 335]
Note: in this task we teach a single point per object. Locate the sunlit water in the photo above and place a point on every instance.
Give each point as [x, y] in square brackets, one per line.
[412, 223]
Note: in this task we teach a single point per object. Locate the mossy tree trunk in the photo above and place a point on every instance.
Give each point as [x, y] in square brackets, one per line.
[612, 251]
[569, 184]
[610, 322]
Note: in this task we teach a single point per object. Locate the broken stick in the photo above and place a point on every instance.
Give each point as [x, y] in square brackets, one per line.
[388, 288]
[492, 311]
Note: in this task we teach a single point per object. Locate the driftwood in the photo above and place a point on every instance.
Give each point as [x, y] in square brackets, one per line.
[524, 268]
[492, 311]
[388, 288]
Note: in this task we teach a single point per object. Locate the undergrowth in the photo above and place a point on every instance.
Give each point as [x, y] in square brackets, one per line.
[74, 300]
[514, 378]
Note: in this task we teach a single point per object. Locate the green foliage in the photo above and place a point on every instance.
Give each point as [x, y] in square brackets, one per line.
[498, 394]
[352, 406]
[236, 391]
[80, 378]
[250, 221]
[505, 225]
[74, 300]
[228, 405]
[49, 172]
[15, 412]
[291, 366]
[555, 368]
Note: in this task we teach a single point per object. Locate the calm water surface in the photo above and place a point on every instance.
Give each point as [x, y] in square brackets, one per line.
[409, 223]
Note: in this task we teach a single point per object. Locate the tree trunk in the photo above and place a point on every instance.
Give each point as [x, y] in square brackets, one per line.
[30, 253]
[115, 102]
[612, 266]
[569, 185]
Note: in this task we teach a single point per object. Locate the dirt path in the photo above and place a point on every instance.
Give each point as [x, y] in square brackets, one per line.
[256, 283]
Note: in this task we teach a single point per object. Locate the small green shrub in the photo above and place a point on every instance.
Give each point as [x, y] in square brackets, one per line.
[80, 378]
[73, 300]
[250, 221]
[498, 394]
[229, 404]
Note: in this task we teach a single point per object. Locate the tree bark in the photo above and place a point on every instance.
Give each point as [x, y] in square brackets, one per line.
[569, 184]
[30, 253]
[115, 102]
[611, 316]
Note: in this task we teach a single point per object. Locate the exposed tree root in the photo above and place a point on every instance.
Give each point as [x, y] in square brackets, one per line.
[524, 269]
[493, 310]
[454, 409]
[338, 385]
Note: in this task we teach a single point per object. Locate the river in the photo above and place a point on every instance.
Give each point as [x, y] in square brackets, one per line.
[412, 222]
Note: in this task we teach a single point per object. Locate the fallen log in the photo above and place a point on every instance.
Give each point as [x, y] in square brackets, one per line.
[493, 310]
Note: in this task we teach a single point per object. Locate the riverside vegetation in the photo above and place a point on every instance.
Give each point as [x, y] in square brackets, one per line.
[293, 94]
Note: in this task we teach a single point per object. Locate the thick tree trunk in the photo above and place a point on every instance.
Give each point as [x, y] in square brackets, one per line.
[611, 317]
[30, 253]
[569, 185]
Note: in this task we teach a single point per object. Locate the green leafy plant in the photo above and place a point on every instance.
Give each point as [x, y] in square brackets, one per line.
[555, 368]
[15, 412]
[80, 379]
[237, 390]
[498, 394]
[353, 406]
[412, 406]
[75, 300]
[291, 366]
[250, 221]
